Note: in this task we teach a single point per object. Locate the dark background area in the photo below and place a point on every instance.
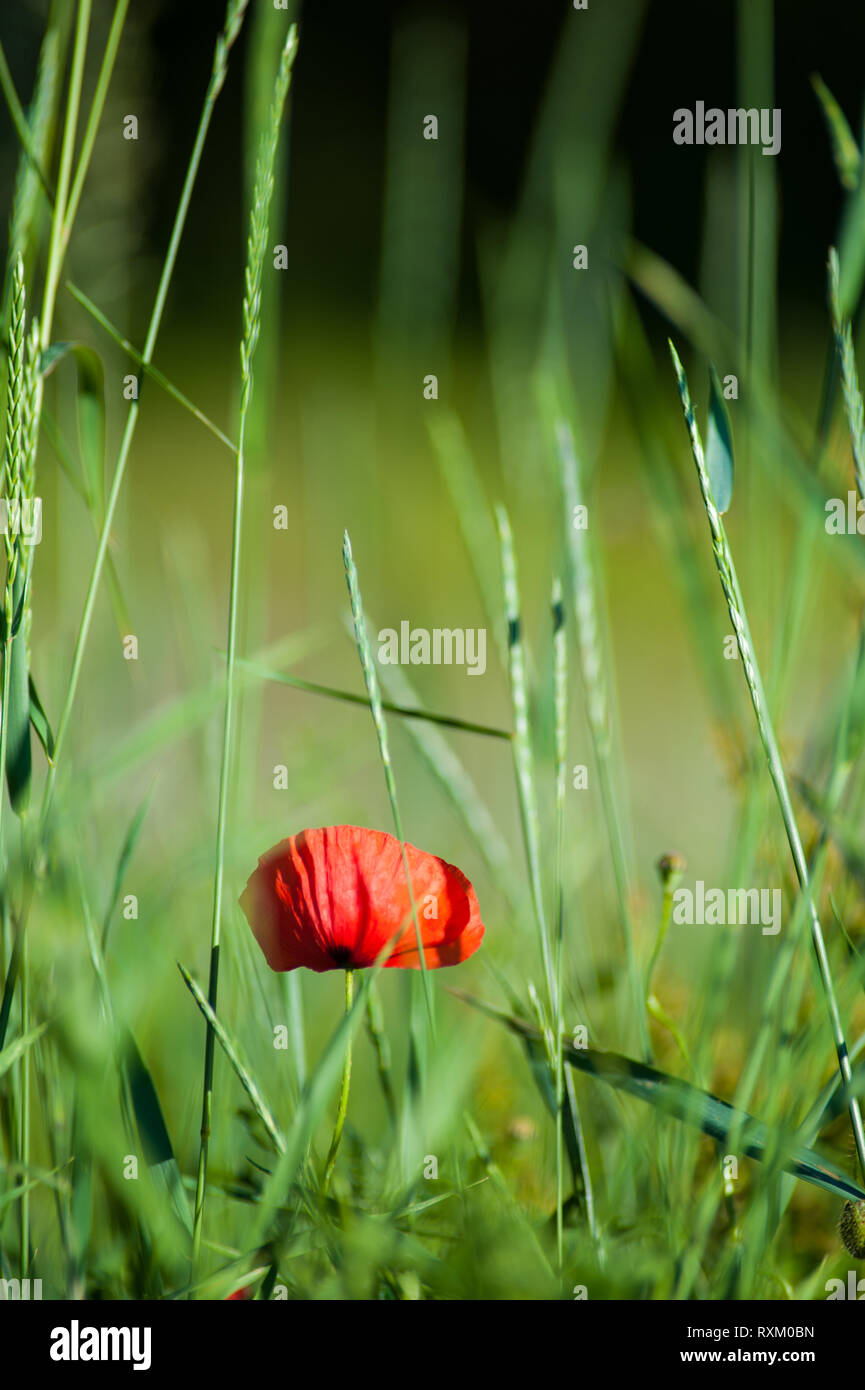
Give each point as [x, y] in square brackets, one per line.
[339, 119]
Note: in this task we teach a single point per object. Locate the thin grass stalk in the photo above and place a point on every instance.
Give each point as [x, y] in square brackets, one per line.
[377, 709]
[147, 367]
[97, 106]
[233, 22]
[419, 1036]
[735, 605]
[597, 713]
[381, 1046]
[522, 749]
[30, 179]
[796, 592]
[57, 241]
[345, 1084]
[560, 700]
[330, 692]
[22, 125]
[565, 1088]
[256, 250]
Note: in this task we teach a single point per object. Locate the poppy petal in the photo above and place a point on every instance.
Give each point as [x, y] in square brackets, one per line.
[333, 898]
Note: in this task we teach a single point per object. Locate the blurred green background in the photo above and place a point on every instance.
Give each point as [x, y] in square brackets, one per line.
[454, 257]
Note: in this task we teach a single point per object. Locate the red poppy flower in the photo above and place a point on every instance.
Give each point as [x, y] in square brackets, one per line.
[331, 900]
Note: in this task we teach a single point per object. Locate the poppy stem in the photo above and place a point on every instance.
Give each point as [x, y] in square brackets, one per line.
[343, 1093]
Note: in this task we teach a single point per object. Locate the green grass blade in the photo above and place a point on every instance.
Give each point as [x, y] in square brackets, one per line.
[370, 676]
[232, 1050]
[719, 446]
[524, 762]
[845, 151]
[736, 607]
[853, 406]
[689, 1104]
[155, 1139]
[126, 852]
[16, 1049]
[447, 721]
[147, 367]
[598, 703]
[259, 228]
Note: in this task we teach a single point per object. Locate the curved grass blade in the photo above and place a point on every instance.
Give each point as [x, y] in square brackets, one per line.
[90, 402]
[232, 1051]
[155, 1139]
[845, 151]
[689, 1104]
[39, 720]
[332, 693]
[129, 844]
[147, 367]
[10, 1055]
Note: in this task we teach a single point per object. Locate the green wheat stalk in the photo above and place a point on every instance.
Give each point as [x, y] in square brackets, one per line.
[736, 607]
[12, 471]
[256, 251]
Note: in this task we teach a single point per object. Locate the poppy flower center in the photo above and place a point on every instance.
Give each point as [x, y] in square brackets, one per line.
[341, 955]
